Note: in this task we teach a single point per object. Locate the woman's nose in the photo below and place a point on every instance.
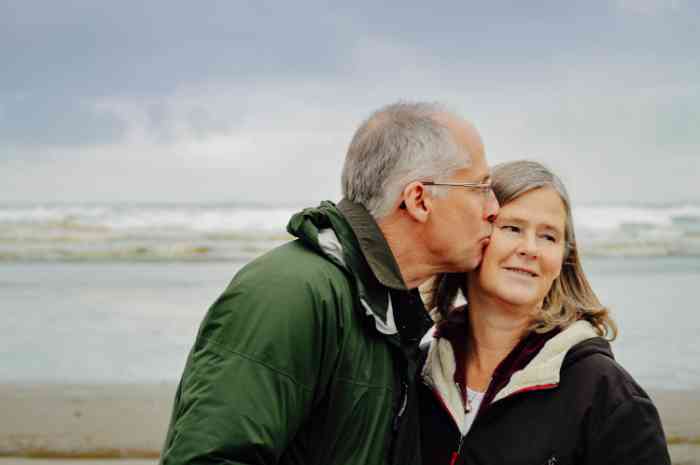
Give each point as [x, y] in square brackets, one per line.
[528, 246]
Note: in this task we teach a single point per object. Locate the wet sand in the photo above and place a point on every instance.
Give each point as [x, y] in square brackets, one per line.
[85, 420]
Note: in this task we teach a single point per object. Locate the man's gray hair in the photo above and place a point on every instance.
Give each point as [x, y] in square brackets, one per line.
[396, 145]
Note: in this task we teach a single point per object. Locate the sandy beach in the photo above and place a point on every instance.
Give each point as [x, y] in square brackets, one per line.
[95, 424]
[97, 421]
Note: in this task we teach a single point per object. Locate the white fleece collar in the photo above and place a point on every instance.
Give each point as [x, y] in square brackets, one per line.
[543, 370]
[439, 373]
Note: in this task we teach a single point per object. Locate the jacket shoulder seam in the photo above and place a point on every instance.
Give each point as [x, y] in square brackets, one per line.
[360, 383]
[259, 362]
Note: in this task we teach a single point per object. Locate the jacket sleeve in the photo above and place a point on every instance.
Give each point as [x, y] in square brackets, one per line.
[632, 434]
[253, 375]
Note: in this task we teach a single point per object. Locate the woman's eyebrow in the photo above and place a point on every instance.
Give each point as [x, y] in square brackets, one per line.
[511, 219]
[522, 221]
[550, 227]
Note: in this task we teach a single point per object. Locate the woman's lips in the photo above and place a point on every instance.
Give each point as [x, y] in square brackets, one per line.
[521, 271]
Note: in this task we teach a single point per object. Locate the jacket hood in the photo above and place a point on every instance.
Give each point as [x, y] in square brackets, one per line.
[327, 230]
[586, 348]
[308, 223]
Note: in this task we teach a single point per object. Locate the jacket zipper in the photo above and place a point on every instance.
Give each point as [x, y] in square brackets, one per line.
[455, 454]
[467, 409]
[402, 408]
[460, 441]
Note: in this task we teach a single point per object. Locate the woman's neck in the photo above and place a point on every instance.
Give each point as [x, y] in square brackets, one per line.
[493, 332]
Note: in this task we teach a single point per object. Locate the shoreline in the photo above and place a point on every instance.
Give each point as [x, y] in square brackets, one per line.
[101, 422]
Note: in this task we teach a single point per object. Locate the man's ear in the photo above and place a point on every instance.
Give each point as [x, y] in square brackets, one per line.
[417, 201]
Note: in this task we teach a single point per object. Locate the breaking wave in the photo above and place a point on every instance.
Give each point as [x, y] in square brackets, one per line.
[77, 232]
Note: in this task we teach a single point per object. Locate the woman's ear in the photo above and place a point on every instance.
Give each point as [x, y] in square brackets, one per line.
[417, 201]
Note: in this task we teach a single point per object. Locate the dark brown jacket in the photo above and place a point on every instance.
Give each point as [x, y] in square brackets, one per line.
[568, 402]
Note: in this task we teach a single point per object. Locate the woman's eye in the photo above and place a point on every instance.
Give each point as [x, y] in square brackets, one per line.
[549, 238]
[511, 228]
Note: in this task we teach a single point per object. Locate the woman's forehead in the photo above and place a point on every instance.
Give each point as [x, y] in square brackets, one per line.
[541, 206]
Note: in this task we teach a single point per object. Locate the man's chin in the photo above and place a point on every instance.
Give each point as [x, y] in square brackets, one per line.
[474, 262]
[469, 262]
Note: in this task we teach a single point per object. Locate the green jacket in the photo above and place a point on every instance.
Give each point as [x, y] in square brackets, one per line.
[302, 359]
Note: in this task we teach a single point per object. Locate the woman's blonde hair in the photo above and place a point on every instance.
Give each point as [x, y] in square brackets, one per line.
[571, 297]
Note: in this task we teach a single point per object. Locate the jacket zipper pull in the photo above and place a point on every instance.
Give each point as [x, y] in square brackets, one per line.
[455, 455]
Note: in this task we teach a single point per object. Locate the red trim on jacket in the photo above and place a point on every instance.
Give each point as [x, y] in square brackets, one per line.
[540, 387]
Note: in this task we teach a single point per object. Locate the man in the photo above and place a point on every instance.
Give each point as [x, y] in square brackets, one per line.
[310, 354]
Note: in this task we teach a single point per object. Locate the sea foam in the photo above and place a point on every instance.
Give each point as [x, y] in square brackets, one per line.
[106, 232]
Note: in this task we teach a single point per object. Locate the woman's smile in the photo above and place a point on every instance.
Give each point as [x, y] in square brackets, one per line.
[521, 271]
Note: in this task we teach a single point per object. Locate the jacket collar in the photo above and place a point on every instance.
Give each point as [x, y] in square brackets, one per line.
[348, 235]
[373, 244]
[533, 364]
[545, 368]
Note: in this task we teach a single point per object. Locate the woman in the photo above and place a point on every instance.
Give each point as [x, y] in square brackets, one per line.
[524, 373]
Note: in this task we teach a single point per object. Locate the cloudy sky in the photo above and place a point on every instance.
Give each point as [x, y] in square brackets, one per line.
[256, 102]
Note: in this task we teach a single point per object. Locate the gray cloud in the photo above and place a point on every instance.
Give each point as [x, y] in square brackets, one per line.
[133, 47]
[227, 97]
[39, 120]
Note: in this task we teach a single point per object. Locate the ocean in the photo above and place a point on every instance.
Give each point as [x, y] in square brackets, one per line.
[237, 233]
[114, 293]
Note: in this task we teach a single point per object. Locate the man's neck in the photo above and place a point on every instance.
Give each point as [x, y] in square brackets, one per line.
[413, 259]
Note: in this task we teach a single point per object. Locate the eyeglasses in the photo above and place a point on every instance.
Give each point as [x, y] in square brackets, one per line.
[483, 187]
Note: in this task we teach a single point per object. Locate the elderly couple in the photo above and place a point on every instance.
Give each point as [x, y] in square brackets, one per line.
[322, 351]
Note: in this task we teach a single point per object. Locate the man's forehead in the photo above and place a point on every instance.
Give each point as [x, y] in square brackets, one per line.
[469, 142]
[476, 172]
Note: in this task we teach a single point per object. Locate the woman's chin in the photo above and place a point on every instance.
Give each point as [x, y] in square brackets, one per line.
[527, 301]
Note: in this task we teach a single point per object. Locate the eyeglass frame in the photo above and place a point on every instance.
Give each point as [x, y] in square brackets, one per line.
[484, 187]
